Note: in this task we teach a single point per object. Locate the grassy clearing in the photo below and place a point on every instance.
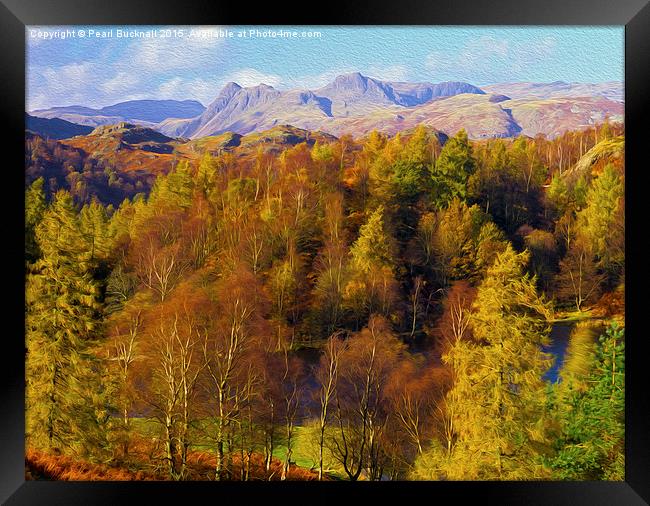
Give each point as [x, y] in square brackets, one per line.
[146, 427]
[302, 453]
[305, 452]
[304, 445]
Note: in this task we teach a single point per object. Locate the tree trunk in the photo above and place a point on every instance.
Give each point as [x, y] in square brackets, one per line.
[220, 429]
[170, 448]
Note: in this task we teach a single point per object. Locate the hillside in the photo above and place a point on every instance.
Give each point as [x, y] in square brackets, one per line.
[555, 116]
[609, 151]
[477, 114]
[118, 161]
[54, 128]
[356, 104]
[558, 89]
[128, 148]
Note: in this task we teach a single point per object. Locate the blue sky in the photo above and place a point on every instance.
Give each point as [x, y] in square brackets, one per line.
[102, 71]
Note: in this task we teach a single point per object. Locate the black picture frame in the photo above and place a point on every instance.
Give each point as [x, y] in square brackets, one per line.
[16, 14]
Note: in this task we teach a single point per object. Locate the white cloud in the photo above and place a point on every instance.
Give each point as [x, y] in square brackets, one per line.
[37, 101]
[174, 53]
[86, 83]
[123, 82]
[205, 91]
[485, 49]
[65, 85]
[73, 74]
[486, 58]
[438, 60]
[199, 89]
[252, 77]
[388, 73]
[532, 54]
[315, 81]
[383, 73]
[32, 41]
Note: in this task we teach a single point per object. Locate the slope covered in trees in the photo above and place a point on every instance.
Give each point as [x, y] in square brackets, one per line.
[374, 308]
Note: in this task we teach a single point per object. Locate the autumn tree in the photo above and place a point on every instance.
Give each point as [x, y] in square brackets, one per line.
[237, 328]
[508, 183]
[286, 286]
[413, 394]
[158, 258]
[331, 269]
[458, 242]
[453, 244]
[199, 233]
[602, 222]
[206, 175]
[93, 221]
[175, 339]
[579, 279]
[125, 332]
[410, 181]
[327, 378]
[498, 394]
[175, 189]
[557, 197]
[292, 384]
[543, 257]
[528, 165]
[363, 375]
[372, 286]
[454, 323]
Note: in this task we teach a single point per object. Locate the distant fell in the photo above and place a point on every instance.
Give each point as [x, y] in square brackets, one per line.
[54, 128]
[148, 112]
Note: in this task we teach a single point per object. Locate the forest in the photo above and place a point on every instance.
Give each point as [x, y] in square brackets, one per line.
[375, 308]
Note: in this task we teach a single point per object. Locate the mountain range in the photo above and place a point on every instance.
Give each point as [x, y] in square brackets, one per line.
[144, 112]
[356, 104]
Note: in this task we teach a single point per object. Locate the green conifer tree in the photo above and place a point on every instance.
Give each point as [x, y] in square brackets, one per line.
[453, 168]
[598, 220]
[34, 208]
[93, 223]
[591, 443]
[61, 316]
[373, 247]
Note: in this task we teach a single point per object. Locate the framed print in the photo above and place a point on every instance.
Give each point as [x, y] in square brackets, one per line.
[374, 253]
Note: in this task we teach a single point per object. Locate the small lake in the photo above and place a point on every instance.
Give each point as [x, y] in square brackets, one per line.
[558, 337]
[559, 341]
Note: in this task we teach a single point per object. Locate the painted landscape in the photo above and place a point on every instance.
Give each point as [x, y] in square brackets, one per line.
[259, 259]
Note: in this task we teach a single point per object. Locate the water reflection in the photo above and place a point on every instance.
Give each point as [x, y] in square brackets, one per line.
[559, 341]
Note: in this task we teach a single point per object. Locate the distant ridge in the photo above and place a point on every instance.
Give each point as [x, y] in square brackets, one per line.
[357, 104]
[141, 111]
[54, 128]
